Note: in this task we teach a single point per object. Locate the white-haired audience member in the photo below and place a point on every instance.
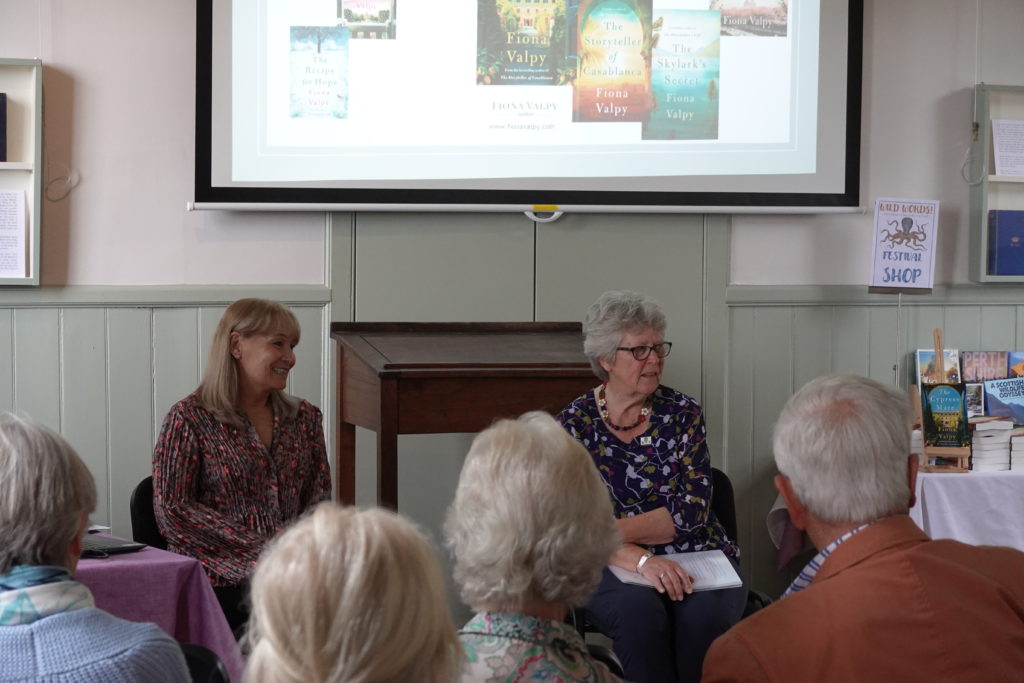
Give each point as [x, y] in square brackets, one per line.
[50, 629]
[350, 595]
[530, 529]
[881, 601]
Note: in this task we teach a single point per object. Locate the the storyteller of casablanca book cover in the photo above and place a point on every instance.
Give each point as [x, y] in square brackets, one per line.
[613, 81]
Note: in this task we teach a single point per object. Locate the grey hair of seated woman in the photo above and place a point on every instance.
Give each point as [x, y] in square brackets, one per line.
[531, 520]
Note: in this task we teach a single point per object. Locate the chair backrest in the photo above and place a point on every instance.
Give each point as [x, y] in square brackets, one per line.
[204, 666]
[144, 528]
[723, 503]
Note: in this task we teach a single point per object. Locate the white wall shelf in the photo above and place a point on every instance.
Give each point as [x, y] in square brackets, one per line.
[22, 81]
[992, 192]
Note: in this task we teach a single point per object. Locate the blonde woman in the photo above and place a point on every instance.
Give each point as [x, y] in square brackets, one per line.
[239, 458]
[530, 529]
[349, 595]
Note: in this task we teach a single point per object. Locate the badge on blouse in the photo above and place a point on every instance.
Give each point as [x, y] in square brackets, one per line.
[645, 441]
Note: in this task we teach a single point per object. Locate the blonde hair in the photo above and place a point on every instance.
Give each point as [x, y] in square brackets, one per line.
[218, 390]
[45, 490]
[350, 595]
[531, 519]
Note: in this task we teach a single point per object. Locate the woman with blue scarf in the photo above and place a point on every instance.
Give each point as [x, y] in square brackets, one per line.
[50, 628]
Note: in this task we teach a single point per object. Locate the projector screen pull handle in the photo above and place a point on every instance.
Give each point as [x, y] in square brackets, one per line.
[544, 216]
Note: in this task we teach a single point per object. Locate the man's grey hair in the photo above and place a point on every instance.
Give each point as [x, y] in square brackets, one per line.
[843, 441]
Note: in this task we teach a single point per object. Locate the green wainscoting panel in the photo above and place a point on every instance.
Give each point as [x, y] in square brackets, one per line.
[83, 394]
[103, 365]
[37, 368]
[132, 424]
[781, 337]
[443, 268]
[579, 256]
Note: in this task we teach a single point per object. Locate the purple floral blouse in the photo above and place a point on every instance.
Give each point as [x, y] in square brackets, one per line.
[220, 494]
[665, 466]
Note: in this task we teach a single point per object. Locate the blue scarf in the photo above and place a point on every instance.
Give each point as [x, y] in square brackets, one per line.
[28, 594]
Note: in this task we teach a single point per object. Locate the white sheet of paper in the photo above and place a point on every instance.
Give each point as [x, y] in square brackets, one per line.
[710, 569]
[12, 233]
[1008, 146]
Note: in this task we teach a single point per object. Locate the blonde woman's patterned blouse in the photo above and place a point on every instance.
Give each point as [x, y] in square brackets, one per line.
[220, 494]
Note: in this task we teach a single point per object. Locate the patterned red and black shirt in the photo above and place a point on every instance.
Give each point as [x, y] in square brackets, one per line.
[220, 494]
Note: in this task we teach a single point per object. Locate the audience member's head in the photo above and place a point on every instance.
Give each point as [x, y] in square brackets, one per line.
[614, 315]
[531, 520]
[843, 442]
[349, 594]
[46, 496]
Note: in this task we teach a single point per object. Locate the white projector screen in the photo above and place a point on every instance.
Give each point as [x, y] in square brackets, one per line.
[529, 105]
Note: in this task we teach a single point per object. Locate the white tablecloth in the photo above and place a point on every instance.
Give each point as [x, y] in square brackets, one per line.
[981, 508]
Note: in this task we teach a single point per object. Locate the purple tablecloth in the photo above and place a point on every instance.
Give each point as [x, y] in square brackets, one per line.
[167, 589]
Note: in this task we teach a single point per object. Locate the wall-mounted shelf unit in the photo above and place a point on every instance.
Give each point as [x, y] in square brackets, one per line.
[991, 192]
[21, 174]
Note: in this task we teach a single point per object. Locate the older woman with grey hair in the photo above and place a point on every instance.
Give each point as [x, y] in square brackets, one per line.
[648, 443]
[530, 529]
[50, 628]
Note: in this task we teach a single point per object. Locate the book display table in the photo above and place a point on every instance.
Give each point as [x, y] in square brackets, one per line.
[981, 508]
[434, 378]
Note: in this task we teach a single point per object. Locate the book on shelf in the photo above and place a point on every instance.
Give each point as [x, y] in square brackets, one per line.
[3, 126]
[994, 444]
[927, 372]
[1005, 242]
[974, 399]
[1005, 397]
[978, 366]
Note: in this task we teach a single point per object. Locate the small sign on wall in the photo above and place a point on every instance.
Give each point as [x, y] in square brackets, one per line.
[904, 248]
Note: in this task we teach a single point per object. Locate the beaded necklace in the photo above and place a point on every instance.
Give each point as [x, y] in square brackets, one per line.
[602, 407]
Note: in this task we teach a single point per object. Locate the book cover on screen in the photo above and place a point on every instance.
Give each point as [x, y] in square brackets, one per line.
[684, 75]
[1006, 397]
[3, 126]
[944, 418]
[925, 370]
[522, 43]
[318, 85]
[1005, 242]
[753, 18]
[978, 366]
[368, 19]
[613, 50]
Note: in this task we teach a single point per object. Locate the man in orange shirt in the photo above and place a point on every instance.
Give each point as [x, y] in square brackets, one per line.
[880, 601]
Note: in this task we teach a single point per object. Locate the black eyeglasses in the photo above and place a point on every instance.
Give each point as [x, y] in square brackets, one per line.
[641, 352]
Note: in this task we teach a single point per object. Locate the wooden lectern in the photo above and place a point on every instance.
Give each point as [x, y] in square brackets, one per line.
[432, 378]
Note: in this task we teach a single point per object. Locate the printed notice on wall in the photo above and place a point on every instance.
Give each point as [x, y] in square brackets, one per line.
[13, 229]
[904, 252]
[1008, 146]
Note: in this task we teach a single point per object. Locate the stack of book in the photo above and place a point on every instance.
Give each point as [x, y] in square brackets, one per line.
[990, 443]
[917, 446]
[1017, 448]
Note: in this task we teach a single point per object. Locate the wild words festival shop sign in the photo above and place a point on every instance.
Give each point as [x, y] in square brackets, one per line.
[904, 249]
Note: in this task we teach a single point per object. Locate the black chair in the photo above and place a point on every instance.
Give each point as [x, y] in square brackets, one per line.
[723, 504]
[204, 666]
[144, 528]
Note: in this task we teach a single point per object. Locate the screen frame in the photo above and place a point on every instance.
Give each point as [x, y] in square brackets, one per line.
[554, 202]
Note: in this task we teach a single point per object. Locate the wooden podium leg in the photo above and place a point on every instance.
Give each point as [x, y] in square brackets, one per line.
[387, 446]
[345, 465]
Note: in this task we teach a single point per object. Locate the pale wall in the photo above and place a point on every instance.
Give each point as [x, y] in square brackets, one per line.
[921, 60]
